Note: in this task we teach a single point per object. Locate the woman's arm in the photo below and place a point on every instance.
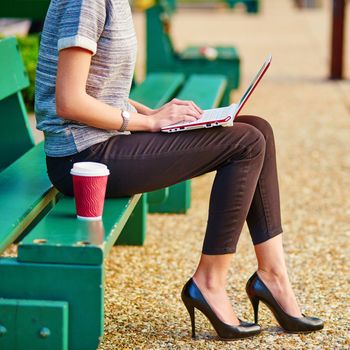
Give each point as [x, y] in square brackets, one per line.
[72, 101]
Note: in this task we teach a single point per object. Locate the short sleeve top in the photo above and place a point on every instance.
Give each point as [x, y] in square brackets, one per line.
[105, 28]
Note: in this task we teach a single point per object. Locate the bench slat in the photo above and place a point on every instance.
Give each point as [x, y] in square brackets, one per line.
[72, 241]
[13, 76]
[157, 89]
[25, 191]
[205, 90]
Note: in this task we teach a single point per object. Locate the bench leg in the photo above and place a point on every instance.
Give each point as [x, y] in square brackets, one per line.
[134, 231]
[178, 201]
[59, 298]
[252, 6]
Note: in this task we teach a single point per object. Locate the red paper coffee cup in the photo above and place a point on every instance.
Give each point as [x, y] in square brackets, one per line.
[89, 184]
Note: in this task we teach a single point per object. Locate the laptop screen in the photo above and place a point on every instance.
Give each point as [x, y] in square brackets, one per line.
[254, 82]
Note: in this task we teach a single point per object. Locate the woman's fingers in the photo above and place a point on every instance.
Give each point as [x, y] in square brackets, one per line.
[187, 103]
[188, 110]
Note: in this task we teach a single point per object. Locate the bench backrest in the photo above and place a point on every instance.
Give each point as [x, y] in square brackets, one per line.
[160, 48]
[15, 135]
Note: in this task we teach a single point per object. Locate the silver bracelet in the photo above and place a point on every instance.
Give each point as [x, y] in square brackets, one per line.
[126, 118]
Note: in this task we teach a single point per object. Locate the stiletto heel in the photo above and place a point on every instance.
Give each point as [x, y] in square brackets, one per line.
[190, 309]
[193, 298]
[255, 304]
[257, 291]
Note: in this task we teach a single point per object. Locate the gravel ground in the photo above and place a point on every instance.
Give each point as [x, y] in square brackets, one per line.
[311, 119]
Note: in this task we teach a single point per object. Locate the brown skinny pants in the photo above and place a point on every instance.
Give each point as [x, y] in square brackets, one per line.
[245, 185]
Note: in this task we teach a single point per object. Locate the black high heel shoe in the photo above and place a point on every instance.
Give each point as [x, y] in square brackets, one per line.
[193, 298]
[257, 291]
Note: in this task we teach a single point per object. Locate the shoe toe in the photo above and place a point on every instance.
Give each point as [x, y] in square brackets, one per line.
[317, 323]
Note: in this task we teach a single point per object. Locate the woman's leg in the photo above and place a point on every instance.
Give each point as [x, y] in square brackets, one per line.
[273, 271]
[264, 222]
[144, 162]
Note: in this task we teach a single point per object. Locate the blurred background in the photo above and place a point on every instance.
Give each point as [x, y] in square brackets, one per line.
[305, 95]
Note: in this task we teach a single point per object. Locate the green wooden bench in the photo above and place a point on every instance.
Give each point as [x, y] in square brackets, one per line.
[162, 56]
[252, 6]
[52, 292]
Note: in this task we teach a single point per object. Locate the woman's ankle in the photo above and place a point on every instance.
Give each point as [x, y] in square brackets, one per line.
[209, 283]
[273, 274]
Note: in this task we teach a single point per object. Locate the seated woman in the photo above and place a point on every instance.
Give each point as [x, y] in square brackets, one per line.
[86, 63]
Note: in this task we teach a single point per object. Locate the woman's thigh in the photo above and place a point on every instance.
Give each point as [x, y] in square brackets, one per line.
[144, 161]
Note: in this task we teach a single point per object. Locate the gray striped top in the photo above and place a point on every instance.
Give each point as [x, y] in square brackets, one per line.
[104, 27]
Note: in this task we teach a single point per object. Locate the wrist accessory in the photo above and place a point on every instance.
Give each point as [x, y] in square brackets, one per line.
[126, 118]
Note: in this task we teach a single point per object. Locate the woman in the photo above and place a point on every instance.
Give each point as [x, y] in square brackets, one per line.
[86, 63]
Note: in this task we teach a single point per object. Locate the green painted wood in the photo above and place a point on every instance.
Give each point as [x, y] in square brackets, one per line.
[161, 55]
[42, 324]
[157, 89]
[206, 91]
[33, 9]
[178, 200]
[157, 197]
[252, 6]
[223, 52]
[16, 136]
[134, 232]
[61, 238]
[25, 191]
[13, 77]
[82, 287]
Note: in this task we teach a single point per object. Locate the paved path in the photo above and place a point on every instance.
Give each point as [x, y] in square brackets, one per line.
[311, 119]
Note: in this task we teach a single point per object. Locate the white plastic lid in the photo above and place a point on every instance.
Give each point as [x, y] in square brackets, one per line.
[89, 169]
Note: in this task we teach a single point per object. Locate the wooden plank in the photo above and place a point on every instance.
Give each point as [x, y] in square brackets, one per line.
[338, 36]
[13, 76]
[41, 323]
[81, 286]
[157, 89]
[25, 191]
[61, 238]
[205, 90]
[17, 137]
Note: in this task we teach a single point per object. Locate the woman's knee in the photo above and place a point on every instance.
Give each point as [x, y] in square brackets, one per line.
[260, 123]
[257, 145]
[250, 140]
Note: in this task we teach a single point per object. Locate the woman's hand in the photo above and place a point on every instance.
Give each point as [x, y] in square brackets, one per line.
[174, 112]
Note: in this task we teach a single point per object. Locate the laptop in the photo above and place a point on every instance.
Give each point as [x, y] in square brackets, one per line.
[223, 116]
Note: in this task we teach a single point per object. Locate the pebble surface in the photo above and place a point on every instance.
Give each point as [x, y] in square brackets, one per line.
[311, 120]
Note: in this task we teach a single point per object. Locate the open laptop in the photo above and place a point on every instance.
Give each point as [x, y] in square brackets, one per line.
[223, 116]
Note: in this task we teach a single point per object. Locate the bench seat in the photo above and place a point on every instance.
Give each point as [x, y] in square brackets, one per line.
[25, 193]
[61, 238]
[158, 89]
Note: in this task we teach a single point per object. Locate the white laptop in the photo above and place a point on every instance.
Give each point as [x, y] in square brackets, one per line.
[223, 116]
